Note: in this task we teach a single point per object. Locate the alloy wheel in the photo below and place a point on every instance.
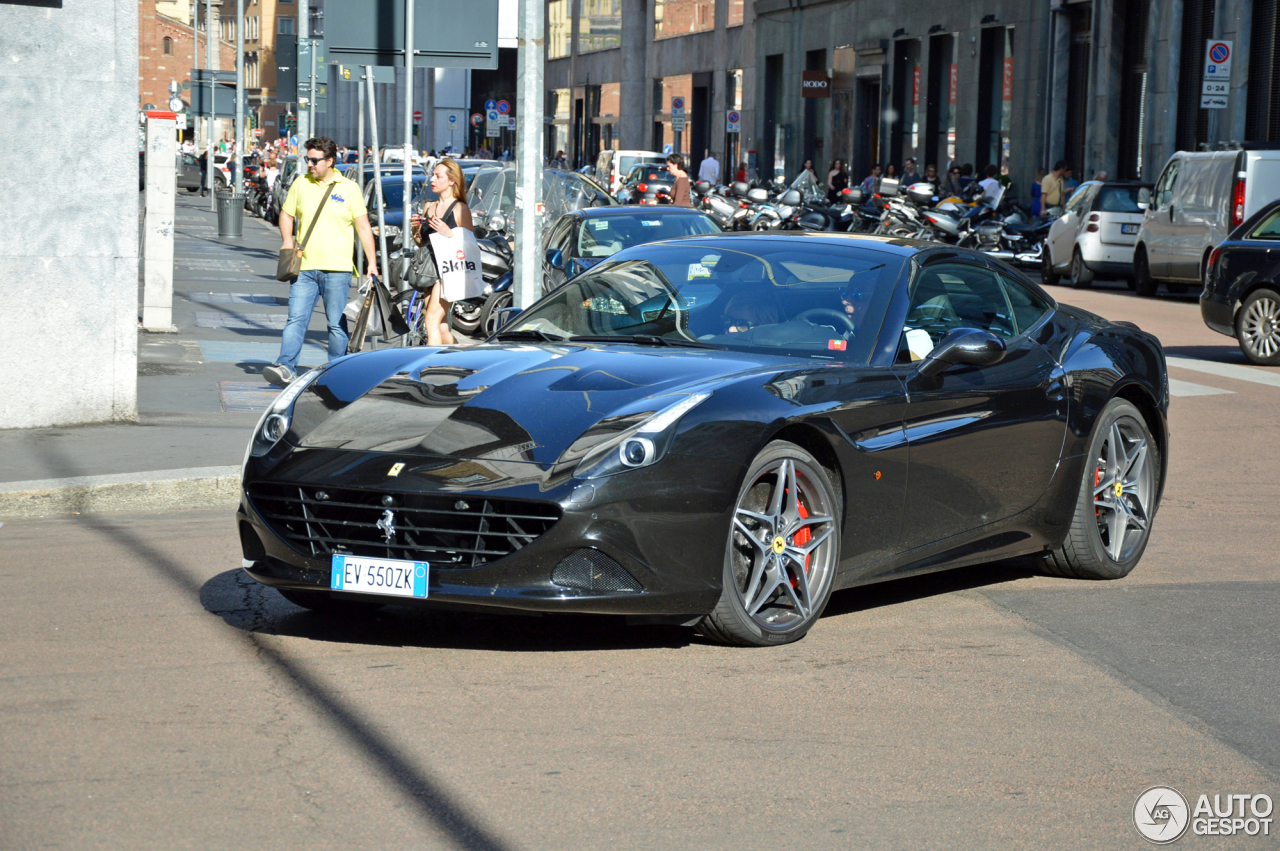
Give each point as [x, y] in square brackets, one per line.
[1260, 327]
[1123, 489]
[783, 555]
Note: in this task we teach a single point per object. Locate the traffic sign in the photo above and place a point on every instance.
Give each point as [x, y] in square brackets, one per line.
[734, 123]
[1217, 60]
[677, 114]
[476, 119]
[453, 119]
[490, 104]
[1215, 87]
[511, 122]
[677, 104]
[492, 126]
[504, 107]
[417, 115]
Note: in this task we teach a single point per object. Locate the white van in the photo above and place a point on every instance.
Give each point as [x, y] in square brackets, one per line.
[1198, 199]
[612, 166]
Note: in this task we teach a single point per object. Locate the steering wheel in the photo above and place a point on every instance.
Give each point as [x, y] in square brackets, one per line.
[841, 317]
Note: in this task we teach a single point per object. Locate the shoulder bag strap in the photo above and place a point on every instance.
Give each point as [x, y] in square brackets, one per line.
[316, 217]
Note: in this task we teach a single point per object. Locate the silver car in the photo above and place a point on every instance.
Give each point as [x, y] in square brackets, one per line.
[1095, 234]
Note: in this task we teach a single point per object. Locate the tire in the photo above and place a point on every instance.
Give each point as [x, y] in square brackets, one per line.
[1047, 275]
[1143, 284]
[1081, 275]
[1106, 542]
[465, 316]
[322, 601]
[192, 188]
[1258, 327]
[769, 594]
[490, 318]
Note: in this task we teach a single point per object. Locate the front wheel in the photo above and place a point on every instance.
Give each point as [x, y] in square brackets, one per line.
[782, 551]
[1258, 327]
[492, 317]
[1117, 501]
[466, 316]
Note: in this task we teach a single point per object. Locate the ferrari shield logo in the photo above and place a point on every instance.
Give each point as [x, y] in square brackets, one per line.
[779, 544]
[1119, 489]
[395, 469]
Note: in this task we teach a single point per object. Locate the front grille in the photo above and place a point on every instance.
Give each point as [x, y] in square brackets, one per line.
[447, 531]
[592, 570]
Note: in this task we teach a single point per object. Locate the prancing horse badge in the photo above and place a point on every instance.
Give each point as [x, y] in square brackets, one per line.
[395, 469]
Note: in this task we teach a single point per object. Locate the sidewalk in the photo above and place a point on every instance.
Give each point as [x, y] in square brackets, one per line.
[200, 390]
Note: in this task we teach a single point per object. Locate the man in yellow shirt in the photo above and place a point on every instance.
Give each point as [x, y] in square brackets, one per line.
[1052, 188]
[328, 258]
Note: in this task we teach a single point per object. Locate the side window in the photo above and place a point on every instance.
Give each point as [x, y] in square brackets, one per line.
[1078, 200]
[1164, 187]
[1027, 306]
[947, 296]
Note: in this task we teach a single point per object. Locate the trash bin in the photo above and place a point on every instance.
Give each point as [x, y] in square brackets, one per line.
[230, 215]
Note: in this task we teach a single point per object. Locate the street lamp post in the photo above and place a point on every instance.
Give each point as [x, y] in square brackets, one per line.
[529, 151]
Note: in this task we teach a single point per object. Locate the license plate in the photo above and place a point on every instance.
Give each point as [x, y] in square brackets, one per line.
[385, 576]
[1128, 228]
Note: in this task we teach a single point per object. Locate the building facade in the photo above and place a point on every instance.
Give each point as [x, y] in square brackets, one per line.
[166, 51]
[1108, 85]
[618, 71]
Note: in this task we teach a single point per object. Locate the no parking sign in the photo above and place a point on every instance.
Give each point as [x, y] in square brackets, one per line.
[1216, 87]
[734, 122]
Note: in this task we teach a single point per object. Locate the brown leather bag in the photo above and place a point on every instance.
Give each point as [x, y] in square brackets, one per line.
[290, 263]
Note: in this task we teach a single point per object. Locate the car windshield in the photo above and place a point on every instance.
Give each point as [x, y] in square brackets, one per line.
[651, 175]
[607, 235]
[1118, 199]
[791, 297]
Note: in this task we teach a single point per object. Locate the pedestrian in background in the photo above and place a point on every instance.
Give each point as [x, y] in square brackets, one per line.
[990, 186]
[330, 214]
[710, 169]
[890, 171]
[1069, 183]
[1036, 197]
[837, 180]
[909, 173]
[447, 212]
[807, 180]
[742, 172]
[871, 183]
[680, 189]
[1052, 188]
[966, 175]
[931, 177]
[952, 186]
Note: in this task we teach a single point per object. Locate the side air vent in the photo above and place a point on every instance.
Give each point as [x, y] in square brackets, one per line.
[592, 570]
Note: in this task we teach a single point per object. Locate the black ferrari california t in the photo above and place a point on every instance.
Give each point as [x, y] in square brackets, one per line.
[718, 431]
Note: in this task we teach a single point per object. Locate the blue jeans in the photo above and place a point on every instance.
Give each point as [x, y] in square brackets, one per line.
[311, 285]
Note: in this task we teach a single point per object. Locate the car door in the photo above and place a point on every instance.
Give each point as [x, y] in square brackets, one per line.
[983, 441]
[1157, 226]
[1062, 233]
[1192, 211]
[557, 240]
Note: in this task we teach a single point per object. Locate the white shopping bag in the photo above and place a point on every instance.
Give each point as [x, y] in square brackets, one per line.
[458, 262]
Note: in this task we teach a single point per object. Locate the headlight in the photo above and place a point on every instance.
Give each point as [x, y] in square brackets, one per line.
[641, 444]
[274, 424]
[497, 222]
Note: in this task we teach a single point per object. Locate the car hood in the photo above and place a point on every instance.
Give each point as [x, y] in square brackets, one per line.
[503, 402]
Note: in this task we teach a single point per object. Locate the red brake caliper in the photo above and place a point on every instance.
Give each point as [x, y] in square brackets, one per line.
[1097, 477]
[802, 537]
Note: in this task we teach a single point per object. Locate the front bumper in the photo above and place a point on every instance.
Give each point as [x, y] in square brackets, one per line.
[664, 525]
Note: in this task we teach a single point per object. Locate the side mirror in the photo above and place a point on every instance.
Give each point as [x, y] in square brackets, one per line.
[505, 315]
[969, 346]
[555, 259]
[1144, 198]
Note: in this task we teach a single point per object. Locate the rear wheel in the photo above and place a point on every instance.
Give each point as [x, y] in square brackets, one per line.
[1047, 275]
[466, 316]
[1081, 275]
[491, 319]
[1117, 500]
[1143, 284]
[1258, 327]
[781, 555]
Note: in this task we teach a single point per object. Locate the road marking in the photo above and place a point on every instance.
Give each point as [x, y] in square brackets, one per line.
[1186, 388]
[1226, 370]
[217, 351]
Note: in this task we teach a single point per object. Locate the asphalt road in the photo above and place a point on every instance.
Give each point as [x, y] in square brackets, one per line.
[153, 697]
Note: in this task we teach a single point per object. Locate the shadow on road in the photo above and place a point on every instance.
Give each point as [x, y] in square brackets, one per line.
[1228, 353]
[896, 591]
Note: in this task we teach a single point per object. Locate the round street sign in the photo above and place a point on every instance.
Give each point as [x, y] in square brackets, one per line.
[734, 117]
[504, 107]
[453, 119]
[417, 115]
[1219, 53]
[476, 119]
[677, 103]
[490, 104]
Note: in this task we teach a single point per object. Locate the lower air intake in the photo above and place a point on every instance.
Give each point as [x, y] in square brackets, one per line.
[592, 570]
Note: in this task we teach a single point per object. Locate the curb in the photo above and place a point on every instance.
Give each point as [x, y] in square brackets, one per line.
[194, 487]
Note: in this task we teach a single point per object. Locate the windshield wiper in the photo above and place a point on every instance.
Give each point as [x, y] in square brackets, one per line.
[644, 340]
[529, 334]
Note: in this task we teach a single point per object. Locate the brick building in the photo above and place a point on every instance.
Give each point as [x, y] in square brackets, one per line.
[165, 55]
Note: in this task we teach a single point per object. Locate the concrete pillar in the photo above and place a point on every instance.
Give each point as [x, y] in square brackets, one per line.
[157, 234]
[633, 122]
[1165, 50]
[1233, 22]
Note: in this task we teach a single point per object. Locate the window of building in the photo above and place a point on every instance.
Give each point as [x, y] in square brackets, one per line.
[940, 120]
[559, 110]
[735, 13]
[610, 107]
[904, 129]
[673, 18]
[286, 26]
[559, 29]
[995, 98]
[168, 46]
[599, 25]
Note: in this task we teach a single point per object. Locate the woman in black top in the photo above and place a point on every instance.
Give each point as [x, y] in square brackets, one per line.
[837, 180]
[442, 216]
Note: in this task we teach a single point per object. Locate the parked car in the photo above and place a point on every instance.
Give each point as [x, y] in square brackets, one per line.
[582, 238]
[290, 168]
[644, 184]
[393, 198]
[613, 166]
[1241, 295]
[187, 176]
[1198, 200]
[693, 431]
[1095, 234]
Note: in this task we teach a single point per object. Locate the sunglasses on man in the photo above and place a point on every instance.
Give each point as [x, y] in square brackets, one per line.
[316, 160]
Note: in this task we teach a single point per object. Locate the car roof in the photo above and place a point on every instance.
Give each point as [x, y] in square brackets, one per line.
[624, 211]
